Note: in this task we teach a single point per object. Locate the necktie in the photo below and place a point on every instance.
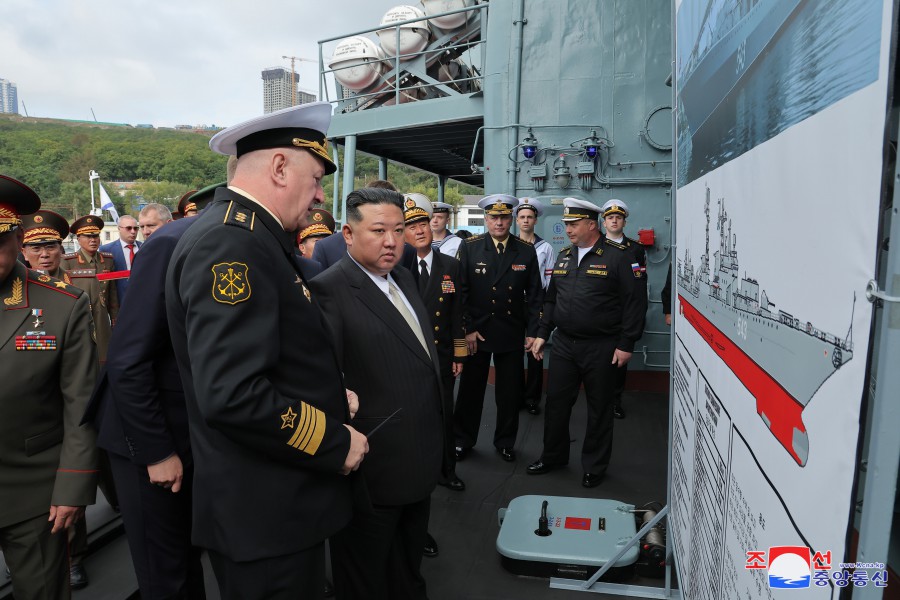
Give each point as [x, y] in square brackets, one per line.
[500, 248]
[130, 255]
[423, 276]
[407, 316]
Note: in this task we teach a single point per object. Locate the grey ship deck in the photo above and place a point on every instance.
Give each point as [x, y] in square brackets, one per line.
[464, 524]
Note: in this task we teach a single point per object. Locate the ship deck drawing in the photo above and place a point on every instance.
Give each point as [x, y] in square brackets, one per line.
[780, 358]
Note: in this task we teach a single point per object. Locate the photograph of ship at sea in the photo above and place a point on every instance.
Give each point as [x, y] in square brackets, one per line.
[746, 70]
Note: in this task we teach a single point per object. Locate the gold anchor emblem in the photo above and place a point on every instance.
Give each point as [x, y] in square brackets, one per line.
[230, 283]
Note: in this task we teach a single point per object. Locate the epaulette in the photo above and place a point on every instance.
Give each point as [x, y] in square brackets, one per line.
[70, 255]
[106, 254]
[475, 238]
[238, 216]
[51, 283]
[615, 244]
[567, 250]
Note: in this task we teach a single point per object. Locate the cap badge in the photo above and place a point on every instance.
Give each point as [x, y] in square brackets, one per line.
[317, 217]
[410, 203]
[230, 283]
[38, 219]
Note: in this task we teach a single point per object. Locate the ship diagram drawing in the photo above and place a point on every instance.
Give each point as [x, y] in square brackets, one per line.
[781, 359]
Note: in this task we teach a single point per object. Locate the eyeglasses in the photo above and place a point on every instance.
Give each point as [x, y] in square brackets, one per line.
[129, 228]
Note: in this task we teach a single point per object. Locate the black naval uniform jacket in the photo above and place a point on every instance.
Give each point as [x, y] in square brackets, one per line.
[502, 294]
[443, 301]
[604, 296]
[264, 393]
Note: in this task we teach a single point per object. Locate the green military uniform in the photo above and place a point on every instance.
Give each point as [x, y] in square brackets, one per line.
[83, 269]
[48, 368]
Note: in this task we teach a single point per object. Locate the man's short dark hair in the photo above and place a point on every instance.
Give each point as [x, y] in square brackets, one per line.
[369, 195]
[381, 184]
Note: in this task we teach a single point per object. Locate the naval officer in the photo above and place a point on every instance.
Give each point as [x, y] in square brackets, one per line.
[596, 302]
[267, 411]
[48, 364]
[444, 241]
[502, 302]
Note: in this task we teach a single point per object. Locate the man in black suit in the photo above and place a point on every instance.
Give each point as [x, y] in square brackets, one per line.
[502, 296]
[141, 420]
[265, 398]
[379, 324]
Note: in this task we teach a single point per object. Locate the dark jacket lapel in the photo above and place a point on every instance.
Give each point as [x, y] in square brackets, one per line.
[374, 299]
[503, 261]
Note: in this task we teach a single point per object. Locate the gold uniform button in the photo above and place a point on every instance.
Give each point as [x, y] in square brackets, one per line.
[509, 312]
[437, 314]
[441, 299]
[435, 342]
[510, 300]
[436, 328]
[493, 302]
[493, 288]
[510, 288]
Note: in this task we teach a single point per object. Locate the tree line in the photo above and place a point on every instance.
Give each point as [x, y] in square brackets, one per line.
[56, 157]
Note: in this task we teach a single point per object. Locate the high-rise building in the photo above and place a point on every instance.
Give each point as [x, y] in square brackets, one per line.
[9, 97]
[277, 90]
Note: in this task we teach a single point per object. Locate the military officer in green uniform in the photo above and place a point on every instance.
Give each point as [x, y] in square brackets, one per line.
[83, 266]
[48, 367]
[44, 232]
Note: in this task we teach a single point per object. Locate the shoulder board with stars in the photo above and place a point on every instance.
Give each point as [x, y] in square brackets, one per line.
[238, 216]
[70, 255]
[615, 244]
[105, 253]
[57, 285]
[475, 238]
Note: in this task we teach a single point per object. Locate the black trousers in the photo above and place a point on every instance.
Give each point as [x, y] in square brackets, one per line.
[378, 556]
[510, 381]
[288, 577]
[36, 559]
[158, 528]
[448, 465]
[573, 362]
[534, 381]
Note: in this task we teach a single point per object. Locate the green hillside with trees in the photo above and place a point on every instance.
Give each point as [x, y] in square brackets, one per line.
[55, 157]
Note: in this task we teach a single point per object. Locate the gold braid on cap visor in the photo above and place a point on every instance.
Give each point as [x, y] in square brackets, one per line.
[315, 229]
[41, 234]
[415, 213]
[319, 148]
[8, 220]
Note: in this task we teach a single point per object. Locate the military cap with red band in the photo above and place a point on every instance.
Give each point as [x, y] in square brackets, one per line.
[16, 199]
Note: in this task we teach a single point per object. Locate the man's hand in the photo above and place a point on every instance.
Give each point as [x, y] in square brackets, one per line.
[621, 358]
[359, 445]
[352, 402]
[529, 341]
[537, 348]
[167, 474]
[472, 340]
[457, 369]
[669, 319]
[64, 517]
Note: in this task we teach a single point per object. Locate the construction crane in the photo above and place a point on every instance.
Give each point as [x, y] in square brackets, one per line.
[294, 76]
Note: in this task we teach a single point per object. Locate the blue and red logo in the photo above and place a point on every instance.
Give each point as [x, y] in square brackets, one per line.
[789, 567]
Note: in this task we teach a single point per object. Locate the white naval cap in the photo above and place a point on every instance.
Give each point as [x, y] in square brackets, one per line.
[416, 207]
[532, 203]
[303, 126]
[575, 209]
[441, 207]
[498, 204]
[615, 207]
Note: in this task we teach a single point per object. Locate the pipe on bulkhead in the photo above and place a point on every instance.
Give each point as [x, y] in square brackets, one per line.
[520, 21]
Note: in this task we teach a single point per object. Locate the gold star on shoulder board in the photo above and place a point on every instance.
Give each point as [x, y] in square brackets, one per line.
[287, 418]
[60, 284]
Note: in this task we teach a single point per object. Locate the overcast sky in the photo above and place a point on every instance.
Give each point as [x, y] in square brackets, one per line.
[165, 62]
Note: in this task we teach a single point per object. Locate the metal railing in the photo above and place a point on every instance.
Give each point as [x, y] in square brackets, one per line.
[407, 76]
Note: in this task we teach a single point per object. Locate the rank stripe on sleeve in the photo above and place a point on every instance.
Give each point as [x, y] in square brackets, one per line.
[310, 431]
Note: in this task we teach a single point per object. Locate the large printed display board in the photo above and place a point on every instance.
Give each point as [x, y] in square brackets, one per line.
[780, 129]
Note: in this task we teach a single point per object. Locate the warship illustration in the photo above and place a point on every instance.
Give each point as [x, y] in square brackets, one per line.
[780, 359]
[731, 37]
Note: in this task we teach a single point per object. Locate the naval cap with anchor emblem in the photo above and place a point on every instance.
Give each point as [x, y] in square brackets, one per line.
[44, 226]
[16, 199]
[575, 209]
[302, 126]
[498, 204]
[615, 207]
[416, 207]
[321, 223]
[441, 207]
[529, 203]
[87, 225]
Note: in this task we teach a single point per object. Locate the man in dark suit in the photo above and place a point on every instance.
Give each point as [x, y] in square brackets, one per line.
[139, 412]
[123, 251]
[266, 404]
[379, 322]
[502, 296]
[48, 364]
